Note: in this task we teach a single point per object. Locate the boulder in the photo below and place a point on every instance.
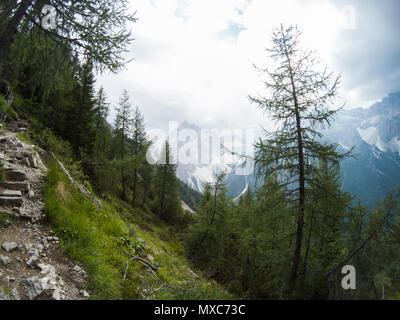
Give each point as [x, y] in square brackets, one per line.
[9, 246]
[48, 286]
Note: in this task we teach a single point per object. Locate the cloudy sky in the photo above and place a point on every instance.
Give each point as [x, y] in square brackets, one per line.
[193, 58]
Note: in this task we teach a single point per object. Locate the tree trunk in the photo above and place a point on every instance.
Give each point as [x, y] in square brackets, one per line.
[308, 243]
[300, 219]
[135, 171]
[122, 166]
[162, 196]
[134, 187]
[8, 35]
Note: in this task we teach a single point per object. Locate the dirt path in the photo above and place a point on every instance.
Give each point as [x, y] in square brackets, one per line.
[32, 265]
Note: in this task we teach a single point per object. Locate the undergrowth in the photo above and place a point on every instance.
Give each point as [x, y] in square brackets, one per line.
[96, 237]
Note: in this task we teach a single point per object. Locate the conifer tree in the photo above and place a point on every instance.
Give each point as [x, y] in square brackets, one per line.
[123, 124]
[300, 103]
[102, 107]
[139, 145]
[95, 29]
[167, 183]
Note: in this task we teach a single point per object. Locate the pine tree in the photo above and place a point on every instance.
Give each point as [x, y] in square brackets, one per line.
[102, 107]
[300, 104]
[83, 134]
[169, 207]
[139, 145]
[123, 124]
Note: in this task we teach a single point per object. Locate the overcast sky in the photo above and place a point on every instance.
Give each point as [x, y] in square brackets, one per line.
[193, 58]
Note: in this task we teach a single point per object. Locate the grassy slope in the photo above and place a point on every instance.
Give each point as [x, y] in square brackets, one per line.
[96, 238]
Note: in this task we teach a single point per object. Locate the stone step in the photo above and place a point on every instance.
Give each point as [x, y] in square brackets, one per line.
[15, 185]
[11, 193]
[16, 175]
[10, 201]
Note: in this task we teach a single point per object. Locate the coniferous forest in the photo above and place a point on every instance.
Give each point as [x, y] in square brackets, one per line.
[286, 237]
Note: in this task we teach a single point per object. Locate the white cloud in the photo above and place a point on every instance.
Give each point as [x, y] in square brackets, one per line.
[184, 70]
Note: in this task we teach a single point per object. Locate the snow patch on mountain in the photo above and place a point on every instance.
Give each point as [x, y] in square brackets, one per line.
[371, 136]
[201, 175]
[394, 145]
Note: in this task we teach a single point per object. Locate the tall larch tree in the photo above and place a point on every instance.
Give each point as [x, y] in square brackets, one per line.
[300, 101]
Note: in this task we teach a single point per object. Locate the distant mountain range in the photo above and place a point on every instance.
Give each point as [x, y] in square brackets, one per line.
[373, 131]
[375, 134]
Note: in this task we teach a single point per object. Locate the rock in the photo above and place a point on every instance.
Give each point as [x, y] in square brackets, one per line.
[34, 253]
[24, 162]
[9, 279]
[56, 294]
[9, 246]
[3, 295]
[49, 285]
[5, 261]
[31, 262]
[16, 211]
[31, 194]
[77, 269]
[84, 293]
[15, 294]
[32, 287]
[17, 154]
[33, 162]
[55, 239]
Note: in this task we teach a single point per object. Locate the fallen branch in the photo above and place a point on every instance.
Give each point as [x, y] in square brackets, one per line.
[149, 266]
[126, 269]
[141, 260]
[80, 187]
[162, 282]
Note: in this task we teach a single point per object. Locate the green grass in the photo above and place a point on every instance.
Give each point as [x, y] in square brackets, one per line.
[24, 137]
[7, 109]
[96, 237]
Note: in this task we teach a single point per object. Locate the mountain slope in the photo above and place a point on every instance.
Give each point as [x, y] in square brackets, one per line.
[369, 175]
[375, 134]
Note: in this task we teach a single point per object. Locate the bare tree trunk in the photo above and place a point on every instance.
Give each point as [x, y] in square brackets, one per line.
[308, 244]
